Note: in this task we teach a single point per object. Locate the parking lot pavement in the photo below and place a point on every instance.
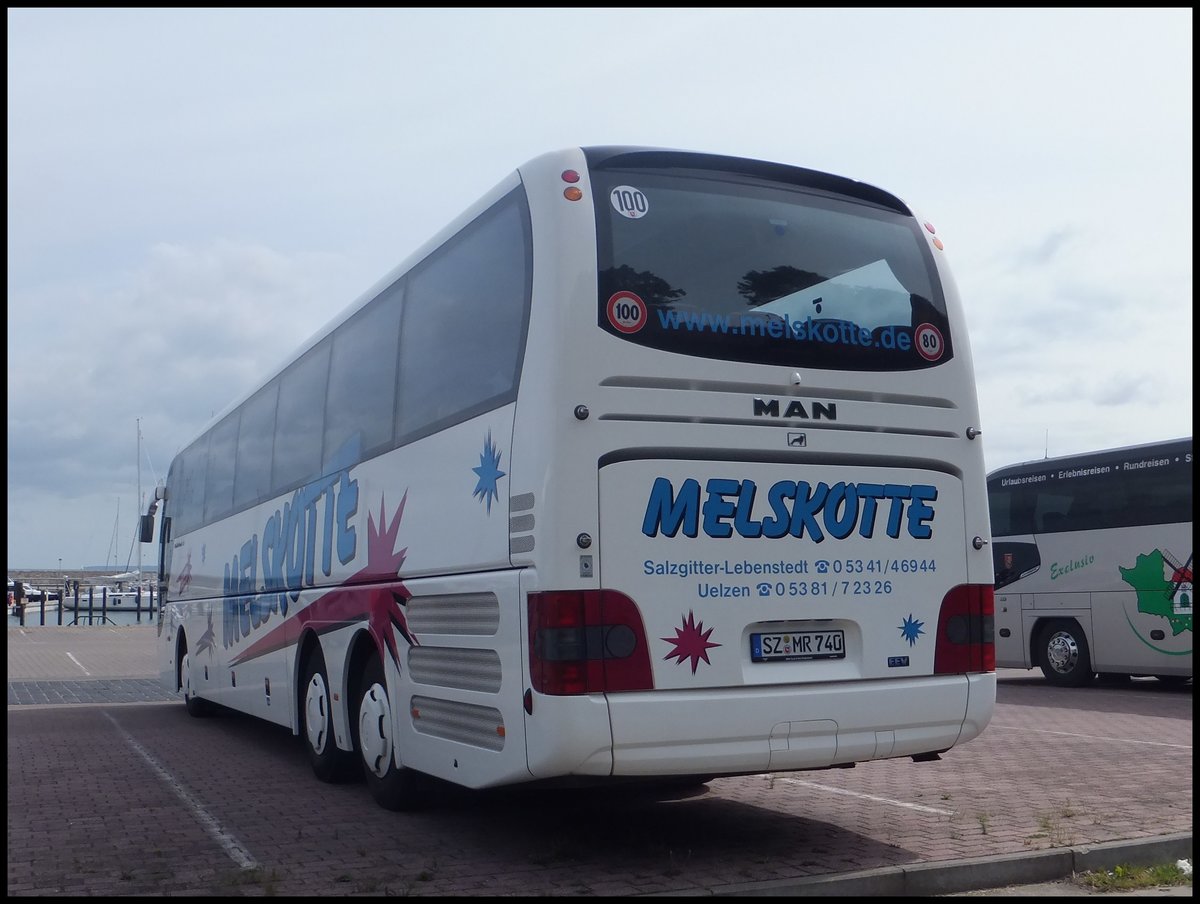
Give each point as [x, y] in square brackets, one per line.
[106, 798]
[65, 653]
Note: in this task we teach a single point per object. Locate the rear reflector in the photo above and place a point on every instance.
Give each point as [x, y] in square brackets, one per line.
[965, 638]
[587, 642]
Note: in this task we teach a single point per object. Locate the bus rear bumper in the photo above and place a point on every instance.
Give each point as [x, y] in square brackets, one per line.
[765, 729]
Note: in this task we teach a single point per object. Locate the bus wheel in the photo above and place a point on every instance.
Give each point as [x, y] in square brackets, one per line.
[328, 762]
[1064, 656]
[196, 706]
[393, 787]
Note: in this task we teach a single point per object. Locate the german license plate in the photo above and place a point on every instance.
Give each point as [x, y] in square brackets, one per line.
[787, 646]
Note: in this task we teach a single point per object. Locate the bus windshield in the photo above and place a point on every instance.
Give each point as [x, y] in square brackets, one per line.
[770, 273]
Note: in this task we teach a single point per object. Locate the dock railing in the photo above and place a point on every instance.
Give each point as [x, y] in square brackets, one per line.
[95, 611]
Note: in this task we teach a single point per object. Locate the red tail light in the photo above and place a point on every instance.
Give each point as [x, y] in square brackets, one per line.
[966, 640]
[587, 642]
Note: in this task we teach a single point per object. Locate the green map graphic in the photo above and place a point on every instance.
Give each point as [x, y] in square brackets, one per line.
[1153, 590]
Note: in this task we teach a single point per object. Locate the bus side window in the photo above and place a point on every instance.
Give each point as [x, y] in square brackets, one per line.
[1052, 522]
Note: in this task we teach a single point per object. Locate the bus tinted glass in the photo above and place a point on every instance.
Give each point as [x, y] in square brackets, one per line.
[1124, 488]
[187, 482]
[736, 268]
[465, 309]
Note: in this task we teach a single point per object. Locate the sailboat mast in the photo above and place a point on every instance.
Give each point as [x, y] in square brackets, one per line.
[139, 495]
[113, 549]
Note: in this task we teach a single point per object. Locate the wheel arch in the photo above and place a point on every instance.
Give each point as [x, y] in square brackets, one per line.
[305, 644]
[362, 649]
[180, 649]
[1034, 639]
[344, 673]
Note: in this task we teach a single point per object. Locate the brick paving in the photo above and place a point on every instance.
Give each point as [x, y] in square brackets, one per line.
[95, 690]
[112, 799]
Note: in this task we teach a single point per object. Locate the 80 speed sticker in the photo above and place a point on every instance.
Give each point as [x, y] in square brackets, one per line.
[928, 340]
[626, 312]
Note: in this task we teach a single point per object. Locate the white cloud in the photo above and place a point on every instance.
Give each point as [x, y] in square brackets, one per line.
[171, 344]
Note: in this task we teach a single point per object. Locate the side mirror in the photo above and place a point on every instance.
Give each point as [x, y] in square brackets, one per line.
[146, 521]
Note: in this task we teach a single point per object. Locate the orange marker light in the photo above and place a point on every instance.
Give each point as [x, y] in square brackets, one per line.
[572, 193]
[937, 243]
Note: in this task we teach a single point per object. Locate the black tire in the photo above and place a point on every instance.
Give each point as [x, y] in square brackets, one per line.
[682, 787]
[196, 706]
[1063, 654]
[329, 763]
[688, 782]
[393, 787]
[1173, 680]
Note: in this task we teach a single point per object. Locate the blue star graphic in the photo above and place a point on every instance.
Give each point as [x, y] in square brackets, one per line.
[489, 472]
[911, 629]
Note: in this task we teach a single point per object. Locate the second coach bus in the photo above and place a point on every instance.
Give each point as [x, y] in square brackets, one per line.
[1093, 564]
[651, 465]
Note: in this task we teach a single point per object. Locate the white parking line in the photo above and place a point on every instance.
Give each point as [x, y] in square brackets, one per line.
[71, 656]
[921, 808]
[225, 839]
[1072, 734]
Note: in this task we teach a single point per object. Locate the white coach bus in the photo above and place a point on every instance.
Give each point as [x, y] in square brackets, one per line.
[651, 465]
[1093, 564]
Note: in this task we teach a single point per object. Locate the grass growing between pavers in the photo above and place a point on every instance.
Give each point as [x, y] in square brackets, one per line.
[1131, 878]
[1055, 828]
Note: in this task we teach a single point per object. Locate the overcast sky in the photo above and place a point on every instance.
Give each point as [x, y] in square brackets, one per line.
[192, 193]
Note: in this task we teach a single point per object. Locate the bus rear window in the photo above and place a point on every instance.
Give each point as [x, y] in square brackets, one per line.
[725, 267]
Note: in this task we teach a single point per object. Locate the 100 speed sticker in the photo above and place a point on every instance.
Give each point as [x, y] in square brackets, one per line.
[626, 312]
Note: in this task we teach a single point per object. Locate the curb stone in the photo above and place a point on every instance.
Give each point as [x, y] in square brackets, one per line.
[931, 879]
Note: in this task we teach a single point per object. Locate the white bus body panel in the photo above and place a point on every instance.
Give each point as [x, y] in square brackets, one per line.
[701, 597]
[1083, 576]
[400, 512]
[796, 727]
[1012, 647]
[457, 695]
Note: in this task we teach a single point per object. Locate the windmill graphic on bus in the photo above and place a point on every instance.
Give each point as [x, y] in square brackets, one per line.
[1181, 583]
